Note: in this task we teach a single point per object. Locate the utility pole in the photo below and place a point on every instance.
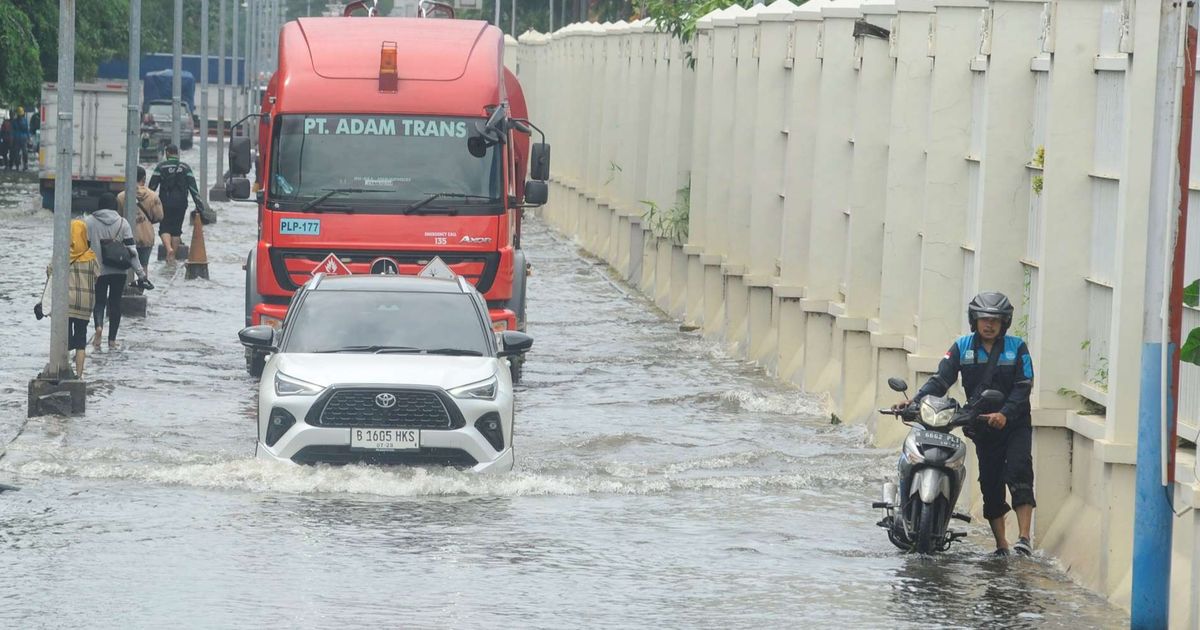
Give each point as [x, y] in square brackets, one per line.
[497, 20]
[56, 389]
[134, 303]
[203, 95]
[217, 192]
[550, 23]
[134, 117]
[239, 73]
[1169, 163]
[176, 76]
[513, 32]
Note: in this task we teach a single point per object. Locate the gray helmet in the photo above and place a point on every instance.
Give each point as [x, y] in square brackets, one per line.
[990, 304]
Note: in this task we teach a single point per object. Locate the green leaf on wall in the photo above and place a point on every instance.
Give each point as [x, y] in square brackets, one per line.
[1191, 294]
[1190, 352]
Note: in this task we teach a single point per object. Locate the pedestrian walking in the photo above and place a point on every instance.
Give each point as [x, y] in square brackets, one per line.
[150, 212]
[5, 141]
[82, 271]
[174, 182]
[112, 238]
[18, 153]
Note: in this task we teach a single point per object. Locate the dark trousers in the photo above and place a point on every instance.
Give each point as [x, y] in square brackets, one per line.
[109, 289]
[1005, 459]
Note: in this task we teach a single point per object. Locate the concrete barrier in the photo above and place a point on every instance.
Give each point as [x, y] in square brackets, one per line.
[853, 172]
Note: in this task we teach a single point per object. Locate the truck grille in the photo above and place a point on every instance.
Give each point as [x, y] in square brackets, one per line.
[293, 267]
[383, 407]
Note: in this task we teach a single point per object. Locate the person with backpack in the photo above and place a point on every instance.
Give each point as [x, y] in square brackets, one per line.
[174, 182]
[150, 211]
[111, 237]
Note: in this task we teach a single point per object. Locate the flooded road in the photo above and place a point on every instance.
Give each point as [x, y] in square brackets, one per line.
[658, 483]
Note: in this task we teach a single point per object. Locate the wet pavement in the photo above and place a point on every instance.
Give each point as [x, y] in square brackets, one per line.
[658, 483]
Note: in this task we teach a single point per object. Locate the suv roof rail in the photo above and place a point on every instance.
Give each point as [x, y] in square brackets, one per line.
[316, 279]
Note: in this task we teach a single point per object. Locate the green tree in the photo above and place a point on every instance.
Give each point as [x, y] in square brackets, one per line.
[18, 57]
[101, 32]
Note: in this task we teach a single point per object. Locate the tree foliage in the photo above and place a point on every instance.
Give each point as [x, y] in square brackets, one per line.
[678, 17]
[18, 57]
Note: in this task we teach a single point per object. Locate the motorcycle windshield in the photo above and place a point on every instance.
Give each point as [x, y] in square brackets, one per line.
[383, 164]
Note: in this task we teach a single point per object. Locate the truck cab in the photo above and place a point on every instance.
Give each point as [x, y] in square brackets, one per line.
[382, 144]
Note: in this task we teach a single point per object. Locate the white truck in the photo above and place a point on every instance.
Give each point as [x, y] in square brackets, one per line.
[99, 135]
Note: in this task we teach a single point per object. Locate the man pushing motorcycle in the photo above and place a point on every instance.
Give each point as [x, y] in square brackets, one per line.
[988, 358]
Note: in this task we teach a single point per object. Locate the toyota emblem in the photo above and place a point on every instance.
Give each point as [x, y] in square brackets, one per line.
[385, 401]
[385, 267]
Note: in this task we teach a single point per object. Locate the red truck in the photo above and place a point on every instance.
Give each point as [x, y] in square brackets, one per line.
[383, 143]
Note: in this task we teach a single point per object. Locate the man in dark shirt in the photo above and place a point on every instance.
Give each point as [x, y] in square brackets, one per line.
[174, 182]
[990, 359]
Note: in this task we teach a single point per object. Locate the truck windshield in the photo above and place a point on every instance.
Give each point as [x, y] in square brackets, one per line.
[382, 163]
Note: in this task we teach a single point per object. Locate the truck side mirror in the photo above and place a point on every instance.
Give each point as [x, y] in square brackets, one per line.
[536, 193]
[237, 188]
[239, 156]
[539, 161]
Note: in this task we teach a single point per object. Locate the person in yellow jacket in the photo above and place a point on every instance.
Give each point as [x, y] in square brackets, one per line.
[82, 271]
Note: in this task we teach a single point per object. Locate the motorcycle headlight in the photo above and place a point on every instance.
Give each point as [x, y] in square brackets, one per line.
[483, 390]
[289, 386]
[936, 418]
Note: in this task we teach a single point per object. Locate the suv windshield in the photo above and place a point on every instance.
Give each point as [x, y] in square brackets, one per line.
[384, 162]
[371, 321]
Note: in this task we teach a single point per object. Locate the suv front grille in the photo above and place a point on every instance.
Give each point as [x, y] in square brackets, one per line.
[342, 455]
[385, 407]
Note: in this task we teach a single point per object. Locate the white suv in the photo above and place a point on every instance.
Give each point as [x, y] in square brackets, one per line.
[387, 370]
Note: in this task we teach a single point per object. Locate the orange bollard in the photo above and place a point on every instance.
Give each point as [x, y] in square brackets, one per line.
[197, 262]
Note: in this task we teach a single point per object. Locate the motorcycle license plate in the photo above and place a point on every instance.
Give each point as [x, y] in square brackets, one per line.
[936, 438]
[385, 439]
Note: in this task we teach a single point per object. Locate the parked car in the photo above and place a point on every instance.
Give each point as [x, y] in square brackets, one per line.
[387, 369]
[161, 112]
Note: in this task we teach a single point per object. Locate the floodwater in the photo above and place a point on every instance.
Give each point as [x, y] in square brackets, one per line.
[658, 483]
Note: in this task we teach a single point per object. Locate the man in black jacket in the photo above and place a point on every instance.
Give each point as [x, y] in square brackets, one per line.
[990, 359]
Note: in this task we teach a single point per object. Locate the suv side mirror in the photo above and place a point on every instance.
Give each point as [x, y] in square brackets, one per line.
[237, 188]
[536, 193]
[259, 337]
[239, 156]
[514, 342]
[539, 161]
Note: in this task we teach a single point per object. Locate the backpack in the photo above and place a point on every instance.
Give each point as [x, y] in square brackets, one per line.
[115, 254]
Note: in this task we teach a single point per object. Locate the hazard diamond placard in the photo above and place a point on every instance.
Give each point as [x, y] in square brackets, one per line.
[333, 266]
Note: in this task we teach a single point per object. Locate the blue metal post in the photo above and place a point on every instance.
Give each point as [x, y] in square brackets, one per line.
[1149, 606]
[1153, 517]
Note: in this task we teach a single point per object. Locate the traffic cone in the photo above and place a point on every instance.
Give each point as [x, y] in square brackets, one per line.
[197, 262]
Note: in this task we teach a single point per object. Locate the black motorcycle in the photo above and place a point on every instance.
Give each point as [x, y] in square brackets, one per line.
[931, 471]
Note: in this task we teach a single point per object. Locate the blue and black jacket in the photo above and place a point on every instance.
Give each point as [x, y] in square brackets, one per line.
[1012, 376]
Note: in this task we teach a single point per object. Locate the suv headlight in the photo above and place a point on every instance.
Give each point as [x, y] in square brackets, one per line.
[289, 386]
[483, 390]
[936, 418]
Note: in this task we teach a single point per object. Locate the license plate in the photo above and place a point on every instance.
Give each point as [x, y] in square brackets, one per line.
[385, 439]
[935, 438]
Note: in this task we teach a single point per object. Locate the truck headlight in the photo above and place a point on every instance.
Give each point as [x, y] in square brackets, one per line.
[483, 390]
[289, 386]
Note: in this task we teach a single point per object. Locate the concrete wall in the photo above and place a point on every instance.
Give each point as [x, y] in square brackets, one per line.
[847, 195]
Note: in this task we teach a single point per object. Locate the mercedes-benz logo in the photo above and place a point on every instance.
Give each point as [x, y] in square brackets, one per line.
[385, 400]
[385, 267]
